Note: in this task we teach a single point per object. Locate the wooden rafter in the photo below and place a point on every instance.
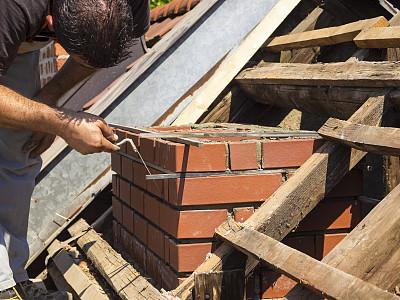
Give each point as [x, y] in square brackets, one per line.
[380, 140]
[122, 277]
[370, 251]
[388, 37]
[325, 36]
[353, 74]
[321, 278]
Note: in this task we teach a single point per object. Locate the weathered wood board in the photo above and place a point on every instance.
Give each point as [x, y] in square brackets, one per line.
[123, 278]
[388, 37]
[321, 278]
[380, 140]
[353, 74]
[325, 36]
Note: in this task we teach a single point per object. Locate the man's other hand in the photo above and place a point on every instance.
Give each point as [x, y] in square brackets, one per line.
[87, 133]
[41, 140]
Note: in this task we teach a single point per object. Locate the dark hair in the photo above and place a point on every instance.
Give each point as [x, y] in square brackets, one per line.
[98, 31]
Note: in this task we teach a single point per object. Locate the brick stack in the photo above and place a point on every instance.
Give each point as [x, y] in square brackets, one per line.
[167, 225]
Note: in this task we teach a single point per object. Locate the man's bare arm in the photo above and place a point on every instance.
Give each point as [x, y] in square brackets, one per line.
[84, 132]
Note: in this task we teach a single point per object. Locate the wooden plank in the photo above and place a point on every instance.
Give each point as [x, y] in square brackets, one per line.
[380, 140]
[75, 277]
[388, 37]
[60, 281]
[238, 57]
[123, 278]
[337, 102]
[321, 278]
[225, 285]
[371, 250]
[354, 74]
[136, 71]
[325, 36]
[281, 212]
[306, 25]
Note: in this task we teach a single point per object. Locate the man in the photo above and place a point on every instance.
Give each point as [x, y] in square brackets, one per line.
[96, 34]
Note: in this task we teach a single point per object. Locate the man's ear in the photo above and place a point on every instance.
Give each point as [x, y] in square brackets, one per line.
[49, 20]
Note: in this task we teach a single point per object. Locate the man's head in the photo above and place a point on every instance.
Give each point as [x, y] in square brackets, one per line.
[97, 31]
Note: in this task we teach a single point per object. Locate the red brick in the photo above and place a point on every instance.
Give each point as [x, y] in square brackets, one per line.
[232, 139]
[138, 253]
[139, 175]
[243, 213]
[184, 158]
[191, 223]
[125, 241]
[305, 244]
[116, 163]
[60, 63]
[155, 187]
[171, 128]
[135, 139]
[156, 240]
[117, 209]
[187, 257]
[127, 166]
[288, 153]
[125, 191]
[243, 156]
[332, 215]
[59, 50]
[137, 196]
[165, 189]
[169, 279]
[147, 149]
[121, 135]
[350, 186]
[223, 189]
[251, 287]
[326, 242]
[166, 248]
[127, 218]
[275, 285]
[115, 185]
[140, 228]
[152, 209]
[153, 266]
[116, 230]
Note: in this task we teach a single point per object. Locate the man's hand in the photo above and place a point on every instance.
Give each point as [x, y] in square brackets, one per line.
[87, 133]
[43, 142]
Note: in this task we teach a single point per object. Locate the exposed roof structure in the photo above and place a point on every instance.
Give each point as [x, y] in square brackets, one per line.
[327, 67]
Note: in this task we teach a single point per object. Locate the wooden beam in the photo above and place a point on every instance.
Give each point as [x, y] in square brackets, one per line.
[321, 278]
[229, 285]
[75, 277]
[380, 140]
[388, 37]
[307, 55]
[337, 102]
[235, 61]
[354, 74]
[281, 212]
[325, 36]
[370, 251]
[123, 278]
[59, 280]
